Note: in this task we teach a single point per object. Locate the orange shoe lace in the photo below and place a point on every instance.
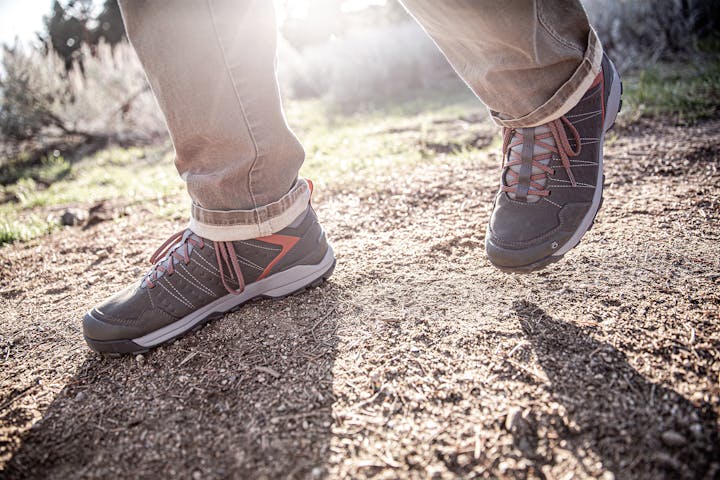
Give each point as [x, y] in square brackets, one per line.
[561, 147]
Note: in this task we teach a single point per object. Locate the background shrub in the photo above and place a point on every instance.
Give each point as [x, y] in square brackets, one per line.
[98, 91]
[108, 98]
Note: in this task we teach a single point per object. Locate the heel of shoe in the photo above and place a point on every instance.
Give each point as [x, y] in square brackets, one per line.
[614, 101]
[299, 278]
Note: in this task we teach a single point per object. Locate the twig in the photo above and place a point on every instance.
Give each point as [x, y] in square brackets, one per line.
[188, 358]
[268, 370]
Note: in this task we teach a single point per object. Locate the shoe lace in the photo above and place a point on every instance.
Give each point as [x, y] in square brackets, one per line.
[177, 249]
[555, 141]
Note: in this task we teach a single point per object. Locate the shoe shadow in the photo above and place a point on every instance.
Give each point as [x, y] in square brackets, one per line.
[614, 415]
[248, 396]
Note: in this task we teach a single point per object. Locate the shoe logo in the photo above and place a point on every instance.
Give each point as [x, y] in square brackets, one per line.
[286, 242]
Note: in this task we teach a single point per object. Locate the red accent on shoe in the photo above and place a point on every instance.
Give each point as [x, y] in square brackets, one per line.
[285, 241]
[310, 184]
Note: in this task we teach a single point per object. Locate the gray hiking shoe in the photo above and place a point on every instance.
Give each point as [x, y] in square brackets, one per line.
[552, 181]
[194, 280]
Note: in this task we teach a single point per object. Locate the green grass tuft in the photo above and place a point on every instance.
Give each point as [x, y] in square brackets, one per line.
[687, 93]
[13, 229]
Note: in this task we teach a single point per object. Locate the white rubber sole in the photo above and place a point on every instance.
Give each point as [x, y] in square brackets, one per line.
[611, 109]
[277, 285]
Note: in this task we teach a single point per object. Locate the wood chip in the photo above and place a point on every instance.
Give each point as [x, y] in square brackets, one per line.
[269, 371]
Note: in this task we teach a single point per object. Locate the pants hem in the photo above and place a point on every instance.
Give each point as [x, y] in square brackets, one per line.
[567, 96]
[233, 225]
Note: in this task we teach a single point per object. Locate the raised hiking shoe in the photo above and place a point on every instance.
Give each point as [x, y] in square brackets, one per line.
[552, 180]
[194, 280]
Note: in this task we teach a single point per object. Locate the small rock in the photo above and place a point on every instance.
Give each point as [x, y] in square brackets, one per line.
[80, 396]
[672, 438]
[697, 430]
[317, 472]
[197, 475]
[512, 418]
[73, 217]
[667, 461]
[140, 358]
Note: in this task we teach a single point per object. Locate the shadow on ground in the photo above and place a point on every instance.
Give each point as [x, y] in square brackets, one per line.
[248, 396]
[614, 415]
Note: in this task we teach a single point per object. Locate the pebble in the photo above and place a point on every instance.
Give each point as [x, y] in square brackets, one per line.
[511, 420]
[80, 396]
[140, 358]
[667, 461]
[672, 438]
[696, 429]
[73, 217]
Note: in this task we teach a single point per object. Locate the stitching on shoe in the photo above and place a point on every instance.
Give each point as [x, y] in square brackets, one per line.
[152, 302]
[214, 274]
[259, 246]
[550, 201]
[198, 285]
[248, 263]
[172, 294]
[212, 267]
[184, 300]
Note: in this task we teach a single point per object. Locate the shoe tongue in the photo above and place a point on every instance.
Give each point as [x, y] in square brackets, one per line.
[537, 150]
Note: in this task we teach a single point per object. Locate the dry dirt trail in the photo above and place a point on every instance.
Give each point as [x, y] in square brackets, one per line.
[416, 360]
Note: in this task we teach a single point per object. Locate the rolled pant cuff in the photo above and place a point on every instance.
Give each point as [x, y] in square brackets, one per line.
[233, 225]
[567, 96]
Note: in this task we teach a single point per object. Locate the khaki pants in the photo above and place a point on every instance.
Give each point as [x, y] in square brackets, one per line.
[211, 65]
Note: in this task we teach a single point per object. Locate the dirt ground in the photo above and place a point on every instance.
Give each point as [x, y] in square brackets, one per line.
[416, 360]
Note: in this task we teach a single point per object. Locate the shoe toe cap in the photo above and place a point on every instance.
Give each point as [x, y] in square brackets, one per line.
[524, 259]
[97, 326]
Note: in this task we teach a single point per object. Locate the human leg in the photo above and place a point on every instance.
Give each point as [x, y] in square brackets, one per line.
[252, 232]
[540, 69]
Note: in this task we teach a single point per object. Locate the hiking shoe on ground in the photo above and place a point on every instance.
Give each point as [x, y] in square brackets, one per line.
[552, 180]
[194, 280]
